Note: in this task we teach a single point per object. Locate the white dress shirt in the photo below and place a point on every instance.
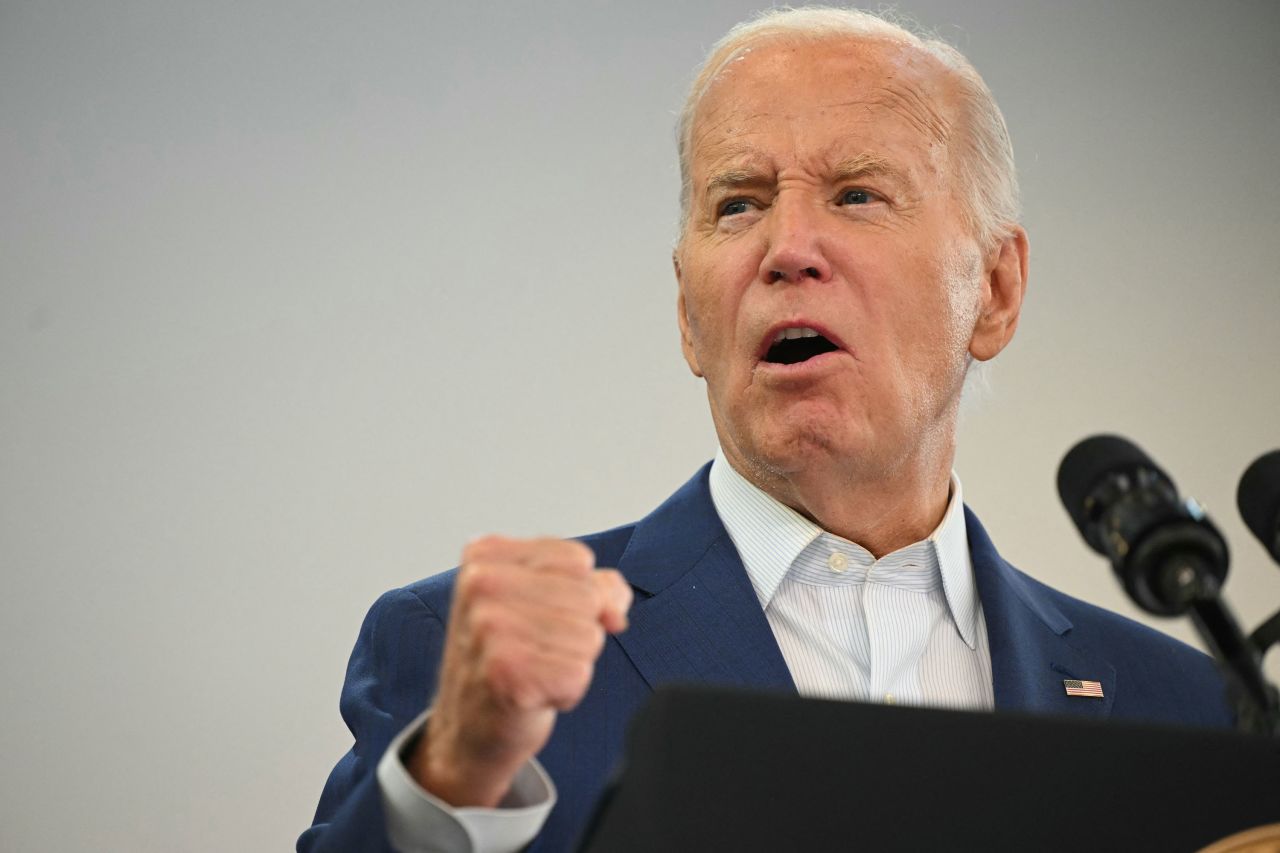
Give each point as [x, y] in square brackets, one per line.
[907, 628]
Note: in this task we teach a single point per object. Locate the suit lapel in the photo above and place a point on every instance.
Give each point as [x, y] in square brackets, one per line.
[696, 617]
[1031, 650]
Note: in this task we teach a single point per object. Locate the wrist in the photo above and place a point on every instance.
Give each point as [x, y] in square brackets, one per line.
[443, 768]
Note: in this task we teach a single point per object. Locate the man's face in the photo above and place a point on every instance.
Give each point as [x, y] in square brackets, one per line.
[822, 201]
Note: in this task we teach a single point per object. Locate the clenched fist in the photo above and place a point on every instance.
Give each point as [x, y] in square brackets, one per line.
[528, 621]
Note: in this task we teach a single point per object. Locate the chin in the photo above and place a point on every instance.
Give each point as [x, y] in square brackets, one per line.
[796, 445]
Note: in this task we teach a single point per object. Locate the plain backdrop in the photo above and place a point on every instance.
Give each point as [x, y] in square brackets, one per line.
[296, 297]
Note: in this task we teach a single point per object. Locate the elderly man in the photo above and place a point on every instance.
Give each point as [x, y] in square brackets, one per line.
[849, 248]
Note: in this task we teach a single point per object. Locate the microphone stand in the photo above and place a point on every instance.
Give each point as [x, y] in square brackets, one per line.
[1256, 700]
[1267, 634]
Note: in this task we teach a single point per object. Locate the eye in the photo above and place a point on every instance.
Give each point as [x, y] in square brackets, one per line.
[734, 207]
[855, 196]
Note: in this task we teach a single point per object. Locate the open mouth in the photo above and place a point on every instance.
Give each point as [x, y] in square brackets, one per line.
[794, 345]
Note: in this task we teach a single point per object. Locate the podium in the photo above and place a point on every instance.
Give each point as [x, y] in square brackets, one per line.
[711, 769]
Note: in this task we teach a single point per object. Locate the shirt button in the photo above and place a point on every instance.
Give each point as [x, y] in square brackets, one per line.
[837, 561]
[889, 700]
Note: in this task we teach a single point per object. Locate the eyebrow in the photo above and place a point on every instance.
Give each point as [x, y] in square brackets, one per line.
[731, 179]
[864, 165]
[849, 169]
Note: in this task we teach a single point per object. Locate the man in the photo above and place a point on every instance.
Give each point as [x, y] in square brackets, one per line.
[849, 248]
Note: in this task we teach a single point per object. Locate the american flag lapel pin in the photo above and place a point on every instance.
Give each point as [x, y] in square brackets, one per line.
[1083, 688]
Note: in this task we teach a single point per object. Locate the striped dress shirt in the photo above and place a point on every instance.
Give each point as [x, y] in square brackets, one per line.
[907, 628]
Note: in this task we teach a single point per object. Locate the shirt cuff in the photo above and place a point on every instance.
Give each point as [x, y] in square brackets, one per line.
[418, 822]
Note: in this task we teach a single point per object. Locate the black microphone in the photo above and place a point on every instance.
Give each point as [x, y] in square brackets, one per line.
[1165, 550]
[1258, 498]
[1259, 501]
[1169, 556]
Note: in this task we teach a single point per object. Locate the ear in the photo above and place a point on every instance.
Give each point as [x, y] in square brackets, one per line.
[1004, 283]
[682, 317]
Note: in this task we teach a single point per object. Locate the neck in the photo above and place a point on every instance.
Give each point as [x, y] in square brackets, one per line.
[881, 510]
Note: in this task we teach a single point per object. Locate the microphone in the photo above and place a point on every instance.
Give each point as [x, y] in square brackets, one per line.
[1165, 550]
[1258, 498]
[1169, 556]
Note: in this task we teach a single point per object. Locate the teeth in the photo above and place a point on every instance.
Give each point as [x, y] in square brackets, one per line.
[795, 332]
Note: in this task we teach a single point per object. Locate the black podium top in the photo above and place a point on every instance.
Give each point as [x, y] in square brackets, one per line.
[713, 769]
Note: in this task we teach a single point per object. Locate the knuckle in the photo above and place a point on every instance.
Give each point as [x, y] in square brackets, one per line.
[473, 549]
[503, 673]
[609, 584]
[580, 555]
[480, 546]
[571, 685]
[466, 580]
[577, 675]
[611, 577]
[612, 590]
[487, 622]
[476, 580]
[566, 555]
[594, 641]
[526, 698]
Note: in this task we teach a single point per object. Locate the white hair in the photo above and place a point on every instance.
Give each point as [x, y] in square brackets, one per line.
[984, 156]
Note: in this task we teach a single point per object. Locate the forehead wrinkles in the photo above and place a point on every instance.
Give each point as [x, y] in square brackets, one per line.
[740, 161]
[721, 143]
[730, 148]
[918, 108]
[724, 128]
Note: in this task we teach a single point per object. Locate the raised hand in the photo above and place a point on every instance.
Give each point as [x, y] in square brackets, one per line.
[528, 621]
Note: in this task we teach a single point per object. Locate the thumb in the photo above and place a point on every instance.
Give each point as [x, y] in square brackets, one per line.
[614, 595]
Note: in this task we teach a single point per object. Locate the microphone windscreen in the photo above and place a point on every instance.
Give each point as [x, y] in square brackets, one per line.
[1258, 498]
[1088, 462]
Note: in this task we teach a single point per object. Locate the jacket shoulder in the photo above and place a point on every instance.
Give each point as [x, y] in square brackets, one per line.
[1091, 619]
[1157, 671]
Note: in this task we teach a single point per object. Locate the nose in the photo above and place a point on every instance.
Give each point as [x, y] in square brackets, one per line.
[795, 250]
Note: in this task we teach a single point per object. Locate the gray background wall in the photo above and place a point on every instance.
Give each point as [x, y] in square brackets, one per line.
[297, 297]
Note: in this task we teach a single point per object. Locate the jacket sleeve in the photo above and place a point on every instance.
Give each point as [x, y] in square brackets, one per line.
[390, 678]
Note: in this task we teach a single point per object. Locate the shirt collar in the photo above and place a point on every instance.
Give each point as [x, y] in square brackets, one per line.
[769, 537]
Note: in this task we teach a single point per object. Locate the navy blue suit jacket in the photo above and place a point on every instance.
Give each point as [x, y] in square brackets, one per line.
[696, 618]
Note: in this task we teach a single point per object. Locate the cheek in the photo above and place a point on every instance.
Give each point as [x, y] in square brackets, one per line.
[712, 305]
[942, 301]
[700, 312]
[708, 330]
[961, 268]
[920, 328]
[948, 310]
